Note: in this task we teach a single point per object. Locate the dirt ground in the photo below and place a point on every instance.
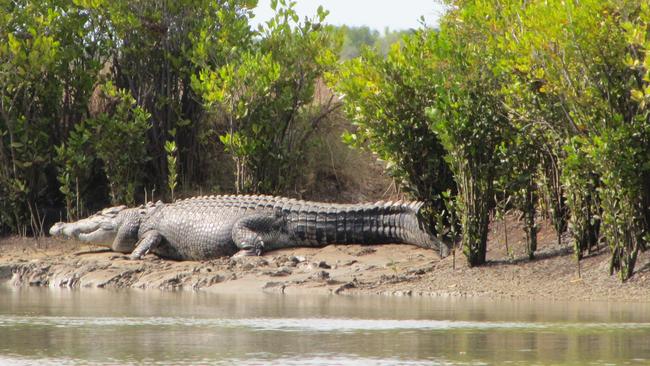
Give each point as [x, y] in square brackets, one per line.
[400, 270]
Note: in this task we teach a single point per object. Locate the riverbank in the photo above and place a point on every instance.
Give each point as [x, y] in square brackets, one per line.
[336, 269]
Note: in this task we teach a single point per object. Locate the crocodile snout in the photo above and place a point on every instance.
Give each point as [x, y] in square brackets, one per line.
[57, 228]
[72, 230]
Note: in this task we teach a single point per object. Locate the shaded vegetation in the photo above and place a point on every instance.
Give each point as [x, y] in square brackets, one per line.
[542, 107]
[538, 106]
[106, 100]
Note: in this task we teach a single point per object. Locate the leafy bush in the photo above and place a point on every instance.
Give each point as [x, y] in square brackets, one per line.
[74, 159]
[120, 143]
[117, 139]
[267, 92]
[591, 73]
[46, 63]
[386, 100]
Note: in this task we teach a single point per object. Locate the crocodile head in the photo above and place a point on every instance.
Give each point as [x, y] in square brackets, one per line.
[114, 227]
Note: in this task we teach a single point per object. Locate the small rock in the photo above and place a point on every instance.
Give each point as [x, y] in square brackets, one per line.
[323, 264]
[284, 271]
[262, 262]
[322, 275]
[279, 261]
[297, 259]
[286, 261]
[344, 287]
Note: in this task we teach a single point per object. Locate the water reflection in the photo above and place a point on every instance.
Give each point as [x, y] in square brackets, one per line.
[100, 326]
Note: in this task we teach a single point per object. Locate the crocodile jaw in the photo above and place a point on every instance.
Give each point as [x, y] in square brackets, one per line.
[100, 228]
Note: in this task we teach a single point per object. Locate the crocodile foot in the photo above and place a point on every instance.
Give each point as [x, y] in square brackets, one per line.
[251, 251]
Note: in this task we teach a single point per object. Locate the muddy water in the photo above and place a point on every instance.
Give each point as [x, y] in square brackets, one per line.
[44, 326]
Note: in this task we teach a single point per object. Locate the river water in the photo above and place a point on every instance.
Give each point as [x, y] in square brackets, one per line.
[45, 326]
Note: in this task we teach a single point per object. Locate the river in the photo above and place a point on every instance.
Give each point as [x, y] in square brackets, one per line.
[77, 327]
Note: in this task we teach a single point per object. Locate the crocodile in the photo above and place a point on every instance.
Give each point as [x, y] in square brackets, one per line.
[207, 227]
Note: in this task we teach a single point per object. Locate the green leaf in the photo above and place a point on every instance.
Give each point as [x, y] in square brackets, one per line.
[637, 95]
[14, 44]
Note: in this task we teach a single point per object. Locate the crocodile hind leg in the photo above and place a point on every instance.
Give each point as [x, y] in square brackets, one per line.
[253, 233]
[148, 242]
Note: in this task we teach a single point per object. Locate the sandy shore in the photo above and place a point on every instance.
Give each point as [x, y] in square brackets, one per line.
[336, 269]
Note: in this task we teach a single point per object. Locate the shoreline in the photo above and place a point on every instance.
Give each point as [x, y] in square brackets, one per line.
[389, 269]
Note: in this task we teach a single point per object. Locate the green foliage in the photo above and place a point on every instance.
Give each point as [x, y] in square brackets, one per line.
[517, 178]
[386, 100]
[267, 93]
[622, 156]
[156, 49]
[55, 53]
[47, 67]
[172, 175]
[74, 160]
[581, 183]
[120, 143]
[589, 83]
[468, 117]
[543, 100]
[27, 57]
[446, 222]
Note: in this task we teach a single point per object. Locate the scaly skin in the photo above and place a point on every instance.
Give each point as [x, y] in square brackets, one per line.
[202, 228]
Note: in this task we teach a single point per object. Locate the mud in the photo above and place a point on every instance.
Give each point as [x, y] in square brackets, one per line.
[392, 269]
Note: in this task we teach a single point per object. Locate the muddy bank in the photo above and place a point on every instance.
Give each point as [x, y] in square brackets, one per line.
[336, 269]
[333, 269]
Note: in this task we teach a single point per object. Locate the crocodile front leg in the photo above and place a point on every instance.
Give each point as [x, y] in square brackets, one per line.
[252, 233]
[149, 241]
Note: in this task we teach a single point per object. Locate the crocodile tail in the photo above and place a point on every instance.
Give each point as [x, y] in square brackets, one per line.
[415, 231]
[374, 223]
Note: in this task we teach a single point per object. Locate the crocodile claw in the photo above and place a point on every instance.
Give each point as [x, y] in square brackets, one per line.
[251, 251]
